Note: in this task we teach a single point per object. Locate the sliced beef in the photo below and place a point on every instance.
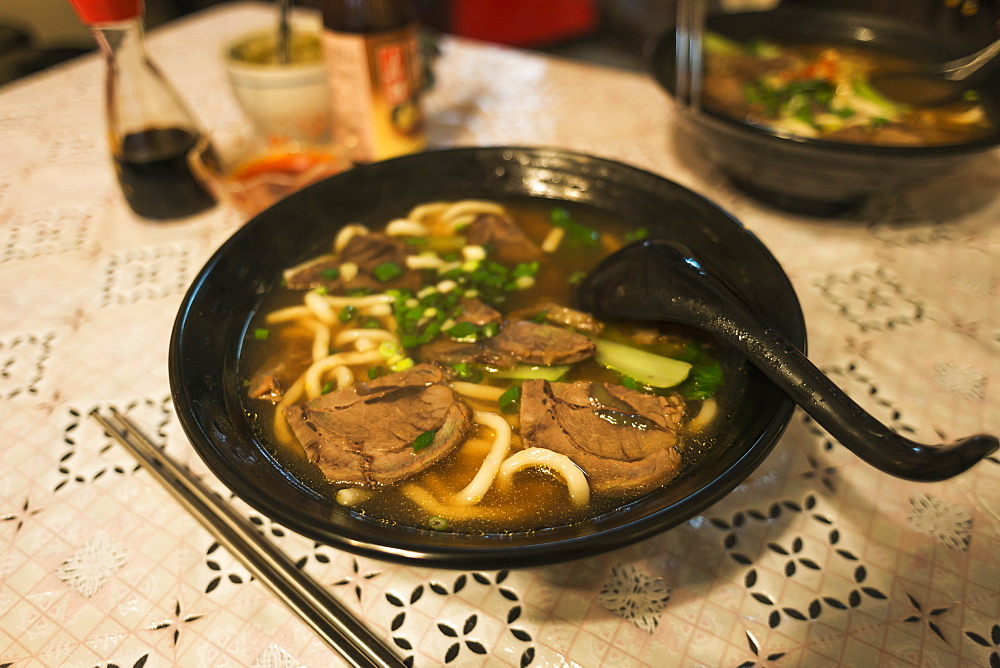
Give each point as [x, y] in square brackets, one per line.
[624, 440]
[478, 312]
[373, 249]
[367, 251]
[314, 274]
[448, 352]
[508, 244]
[556, 314]
[536, 343]
[364, 434]
[278, 372]
[518, 341]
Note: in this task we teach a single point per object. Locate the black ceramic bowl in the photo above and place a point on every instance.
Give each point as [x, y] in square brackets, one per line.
[814, 176]
[212, 323]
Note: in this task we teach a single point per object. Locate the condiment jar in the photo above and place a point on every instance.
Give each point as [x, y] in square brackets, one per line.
[376, 76]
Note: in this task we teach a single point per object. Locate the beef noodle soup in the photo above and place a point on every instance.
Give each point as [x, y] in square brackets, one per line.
[431, 373]
[824, 91]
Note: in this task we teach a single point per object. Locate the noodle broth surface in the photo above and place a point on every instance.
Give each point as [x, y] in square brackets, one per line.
[534, 498]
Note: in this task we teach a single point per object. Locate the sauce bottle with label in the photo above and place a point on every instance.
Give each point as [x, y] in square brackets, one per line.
[152, 133]
[376, 76]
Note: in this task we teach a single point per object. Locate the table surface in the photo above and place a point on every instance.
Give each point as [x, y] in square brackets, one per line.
[816, 559]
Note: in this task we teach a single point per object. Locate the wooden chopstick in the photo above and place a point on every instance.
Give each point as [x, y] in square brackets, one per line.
[324, 614]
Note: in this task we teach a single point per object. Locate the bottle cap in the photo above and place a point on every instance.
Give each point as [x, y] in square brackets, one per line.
[107, 11]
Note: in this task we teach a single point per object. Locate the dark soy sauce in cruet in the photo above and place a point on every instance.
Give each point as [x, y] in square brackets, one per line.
[155, 175]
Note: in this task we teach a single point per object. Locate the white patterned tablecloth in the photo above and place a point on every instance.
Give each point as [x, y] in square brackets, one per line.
[815, 560]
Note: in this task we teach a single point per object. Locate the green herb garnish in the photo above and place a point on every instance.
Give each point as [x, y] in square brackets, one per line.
[424, 440]
[637, 235]
[422, 319]
[467, 372]
[261, 334]
[510, 400]
[437, 523]
[631, 383]
[706, 377]
[387, 271]
[582, 234]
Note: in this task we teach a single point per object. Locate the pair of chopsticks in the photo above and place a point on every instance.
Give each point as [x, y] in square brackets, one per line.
[324, 614]
[688, 44]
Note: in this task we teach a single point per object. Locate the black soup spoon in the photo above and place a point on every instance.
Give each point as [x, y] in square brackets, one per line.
[656, 280]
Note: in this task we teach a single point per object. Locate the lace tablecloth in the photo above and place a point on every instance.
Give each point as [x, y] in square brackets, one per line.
[816, 560]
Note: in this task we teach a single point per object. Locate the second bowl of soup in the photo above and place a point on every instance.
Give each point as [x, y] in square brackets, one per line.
[790, 111]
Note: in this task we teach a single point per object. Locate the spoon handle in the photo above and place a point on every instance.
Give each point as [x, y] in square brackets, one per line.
[845, 420]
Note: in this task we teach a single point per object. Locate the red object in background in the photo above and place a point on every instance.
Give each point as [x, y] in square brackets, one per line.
[523, 22]
[107, 11]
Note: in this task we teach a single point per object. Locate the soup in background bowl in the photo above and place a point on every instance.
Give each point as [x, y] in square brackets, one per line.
[227, 333]
[770, 144]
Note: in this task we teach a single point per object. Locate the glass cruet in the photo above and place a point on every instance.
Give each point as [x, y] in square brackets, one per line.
[153, 135]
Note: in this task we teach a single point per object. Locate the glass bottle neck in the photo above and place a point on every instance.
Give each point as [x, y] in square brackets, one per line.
[139, 96]
[123, 43]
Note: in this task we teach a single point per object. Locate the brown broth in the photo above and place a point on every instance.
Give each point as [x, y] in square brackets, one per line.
[537, 498]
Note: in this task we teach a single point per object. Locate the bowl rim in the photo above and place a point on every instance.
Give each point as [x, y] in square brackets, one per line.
[502, 551]
[655, 47]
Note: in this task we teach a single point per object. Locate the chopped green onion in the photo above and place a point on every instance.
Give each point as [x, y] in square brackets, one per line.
[510, 400]
[588, 236]
[437, 523]
[424, 440]
[706, 377]
[463, 331]
[330, 274]
[327, 387]
[525, 269]
[402, 364]
[631, 383]
[541, 317]
[347, 313]
[376, 371]
[637, 235]
[261, 333]
[468, 372]
[321, 290]
[387, 271]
